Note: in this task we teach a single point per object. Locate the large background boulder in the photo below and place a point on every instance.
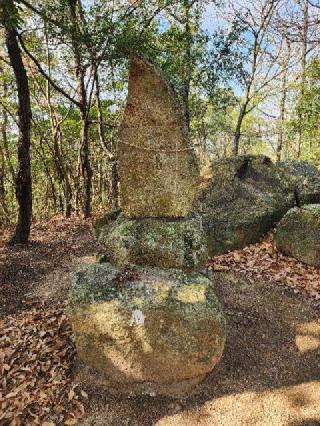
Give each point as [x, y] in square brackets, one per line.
[307, 180]
[298, 234]
[146, 330]
[155, 242]
[241, 199]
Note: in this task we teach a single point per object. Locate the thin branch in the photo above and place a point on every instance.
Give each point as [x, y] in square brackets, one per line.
[45, 75]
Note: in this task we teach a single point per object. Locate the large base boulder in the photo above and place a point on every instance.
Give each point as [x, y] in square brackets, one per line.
[146, 330]
[241, 199]
[298, 234]
[166, 243]
[307, 180]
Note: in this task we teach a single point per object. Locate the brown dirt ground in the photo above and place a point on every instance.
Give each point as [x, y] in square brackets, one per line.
[270, 371]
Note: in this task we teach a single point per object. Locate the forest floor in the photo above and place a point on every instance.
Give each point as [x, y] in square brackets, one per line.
[269, 373]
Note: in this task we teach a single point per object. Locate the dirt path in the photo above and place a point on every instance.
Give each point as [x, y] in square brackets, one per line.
[269, 374]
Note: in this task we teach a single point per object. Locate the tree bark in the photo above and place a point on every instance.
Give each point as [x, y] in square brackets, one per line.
[85, 170]
[303, 74]
[283, 99]
[23, 178]
[114, 177]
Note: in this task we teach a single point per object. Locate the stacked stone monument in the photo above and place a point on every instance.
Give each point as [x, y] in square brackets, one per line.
[144, 320]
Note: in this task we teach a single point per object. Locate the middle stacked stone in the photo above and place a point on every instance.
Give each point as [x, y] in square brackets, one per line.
[164, 243]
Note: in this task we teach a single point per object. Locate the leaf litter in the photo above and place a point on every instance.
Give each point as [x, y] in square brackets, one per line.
[264, 261]
[36, 359]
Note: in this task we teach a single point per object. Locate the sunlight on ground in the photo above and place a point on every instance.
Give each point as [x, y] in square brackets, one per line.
[308, 338]
[292, 405]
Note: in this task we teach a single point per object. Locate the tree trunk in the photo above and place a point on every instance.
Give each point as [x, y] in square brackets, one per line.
[188, 62]
[84, 157]
[303, 75]
[23, 178]
[237, 133]
[4, 127]
[86, 171]
[114, 186]
[283, 99]
[114, 177]
[57, 146]
[4, 217]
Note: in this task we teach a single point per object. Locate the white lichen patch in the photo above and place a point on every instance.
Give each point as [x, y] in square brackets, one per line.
[137, 318]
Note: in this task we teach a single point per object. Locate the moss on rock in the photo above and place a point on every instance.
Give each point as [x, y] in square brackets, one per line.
[241, 199]
[298, 234]
[155, 242]
[164, 327]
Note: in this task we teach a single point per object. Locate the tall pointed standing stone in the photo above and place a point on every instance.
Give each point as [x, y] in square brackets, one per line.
[157, 166]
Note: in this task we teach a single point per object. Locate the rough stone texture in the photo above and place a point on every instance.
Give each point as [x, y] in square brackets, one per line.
[106, 219]
[161, 332]
[298, 234]
[155, 242]
[242, 197]
[157, 166]
[307, 178]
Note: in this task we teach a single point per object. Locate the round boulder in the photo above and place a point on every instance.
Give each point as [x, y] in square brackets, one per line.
[165, 243]
[145, 330]
[298, 234]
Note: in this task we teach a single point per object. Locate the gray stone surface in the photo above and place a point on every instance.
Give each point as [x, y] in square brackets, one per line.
[298, 234]
[155, 242]
[307, 179]
[158, 170]
[242, 198]
[146, 330]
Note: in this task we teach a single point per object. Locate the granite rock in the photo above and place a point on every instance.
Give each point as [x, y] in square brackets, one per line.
[298, 234]
[241, 199]
[152, 331]
[165, 243]
[158, 170]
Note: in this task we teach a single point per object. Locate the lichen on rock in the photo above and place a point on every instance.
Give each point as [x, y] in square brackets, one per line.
[158, 169]
[156, 242]
[241, 199]
[298, 234]
[181, 336]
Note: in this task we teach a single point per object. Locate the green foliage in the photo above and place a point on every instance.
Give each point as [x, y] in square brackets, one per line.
[308, 107]
[208, 71]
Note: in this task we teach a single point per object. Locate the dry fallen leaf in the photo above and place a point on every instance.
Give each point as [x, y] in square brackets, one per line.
[263, 261]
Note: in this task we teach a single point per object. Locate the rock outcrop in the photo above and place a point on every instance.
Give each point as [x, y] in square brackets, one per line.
[146, 330]
[298, 234]
[241, 199]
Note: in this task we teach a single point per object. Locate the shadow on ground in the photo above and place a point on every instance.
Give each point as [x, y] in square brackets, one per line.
[54, 248]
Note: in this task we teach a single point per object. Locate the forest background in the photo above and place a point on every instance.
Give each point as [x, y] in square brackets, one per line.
[247, 73]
